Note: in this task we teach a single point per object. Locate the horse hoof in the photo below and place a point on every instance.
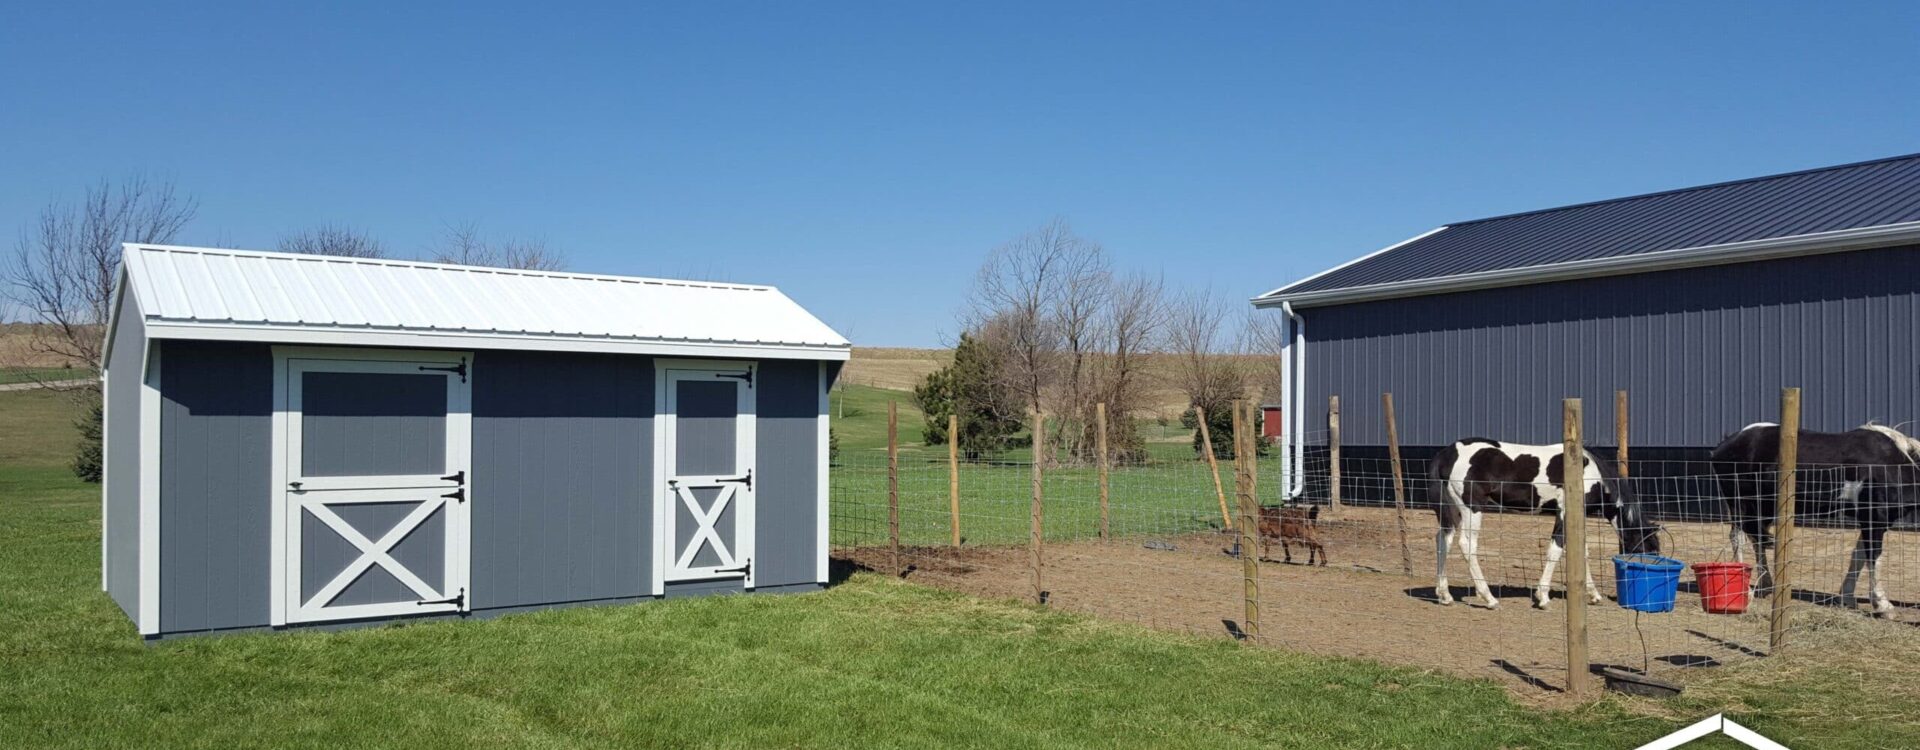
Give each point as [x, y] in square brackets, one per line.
[1540, 605]
[1493, 604]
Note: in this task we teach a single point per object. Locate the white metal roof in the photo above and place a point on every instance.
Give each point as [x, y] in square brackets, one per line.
[208, 293]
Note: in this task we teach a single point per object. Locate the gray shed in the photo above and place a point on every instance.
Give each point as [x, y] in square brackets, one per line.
[305, 440]
[1702, 303]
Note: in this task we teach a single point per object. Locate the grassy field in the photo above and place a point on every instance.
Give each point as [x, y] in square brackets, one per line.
[869, 662]
[38, 374]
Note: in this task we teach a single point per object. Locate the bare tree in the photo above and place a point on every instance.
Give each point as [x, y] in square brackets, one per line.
[1203, 369]
[329, 239]
[1263, 339]
[465, 245]
[1131, 324]
[66, 264]
[1016, 303]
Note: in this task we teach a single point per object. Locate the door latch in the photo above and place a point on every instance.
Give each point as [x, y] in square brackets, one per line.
[459, 601]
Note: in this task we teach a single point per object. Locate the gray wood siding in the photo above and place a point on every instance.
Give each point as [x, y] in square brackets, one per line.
[216, 420]
[120, 530]
[787, 400]
[1702, 352]
[562, 466]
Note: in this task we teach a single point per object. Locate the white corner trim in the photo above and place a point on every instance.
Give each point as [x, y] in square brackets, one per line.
[1709, 255]
[149, 595]
[106, 474]
[823, 508]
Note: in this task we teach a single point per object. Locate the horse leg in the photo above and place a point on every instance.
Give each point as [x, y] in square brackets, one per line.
[1323, 553]
[1286, 549]
[1857, 561]
[1470, 544]
[1543, 592]
[1442, 539]
[1593, 591]
[1874, 539]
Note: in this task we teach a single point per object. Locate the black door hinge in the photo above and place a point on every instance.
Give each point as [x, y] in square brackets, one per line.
[459, 369]
[744, 568]
[459, 494]
[459, 601]
[743, 376]
[458, 477]
[746, 480]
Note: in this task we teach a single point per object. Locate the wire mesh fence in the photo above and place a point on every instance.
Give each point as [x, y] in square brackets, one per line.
[1355, 568]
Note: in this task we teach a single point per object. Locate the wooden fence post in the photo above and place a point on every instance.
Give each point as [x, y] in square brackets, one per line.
[1783, 525]
[1206, 446]
[1573, 509]
[1036, 517]
[1244, 451]
[1333, 444]
[1100, 445]
[893, 484]
[1620, 431]
[1399, 485]
[953, 476]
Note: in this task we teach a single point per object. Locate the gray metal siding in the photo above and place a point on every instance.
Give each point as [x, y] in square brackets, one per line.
[120, 533]
[562, 466]
[1701, 351]
[787, 400]
[1866, 194]
[216, 421]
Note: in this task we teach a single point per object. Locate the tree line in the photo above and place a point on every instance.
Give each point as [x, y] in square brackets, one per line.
[1051, 327]
[59, 280]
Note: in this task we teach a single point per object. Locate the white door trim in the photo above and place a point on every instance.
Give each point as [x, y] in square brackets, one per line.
[284, 564]
[667, 566]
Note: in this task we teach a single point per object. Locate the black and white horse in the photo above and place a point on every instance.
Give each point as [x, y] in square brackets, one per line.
[1868, 473]
[1476, 475]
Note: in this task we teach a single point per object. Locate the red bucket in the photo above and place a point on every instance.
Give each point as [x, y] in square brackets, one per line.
[1723, 586]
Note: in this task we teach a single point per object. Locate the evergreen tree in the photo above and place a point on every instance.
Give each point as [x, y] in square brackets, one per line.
[974, 388]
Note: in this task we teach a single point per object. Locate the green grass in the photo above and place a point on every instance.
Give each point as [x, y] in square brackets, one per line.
[869, 662]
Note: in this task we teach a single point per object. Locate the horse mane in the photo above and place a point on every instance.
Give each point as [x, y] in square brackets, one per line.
[1907, 445]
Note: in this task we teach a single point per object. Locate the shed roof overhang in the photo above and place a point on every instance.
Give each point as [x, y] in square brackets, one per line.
[1844, 240]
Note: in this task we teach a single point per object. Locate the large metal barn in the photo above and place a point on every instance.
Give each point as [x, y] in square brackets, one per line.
[302, 440]
[1702, 303]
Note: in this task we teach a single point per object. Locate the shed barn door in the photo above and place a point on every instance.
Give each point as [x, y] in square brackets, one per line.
[708, 493]
[375, 505]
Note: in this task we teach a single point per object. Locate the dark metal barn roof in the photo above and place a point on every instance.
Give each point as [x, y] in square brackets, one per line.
[1831, 199]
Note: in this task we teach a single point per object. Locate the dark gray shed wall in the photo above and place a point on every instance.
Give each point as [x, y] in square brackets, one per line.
[562, 466]
[562, 459]
[120, 529]
[1702, 352]
[216, 423]
[787, 402]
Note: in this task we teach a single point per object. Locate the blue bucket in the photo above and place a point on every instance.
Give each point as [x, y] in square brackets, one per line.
[1647, 583]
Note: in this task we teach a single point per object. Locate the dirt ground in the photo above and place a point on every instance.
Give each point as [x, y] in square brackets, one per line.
[1361, 605]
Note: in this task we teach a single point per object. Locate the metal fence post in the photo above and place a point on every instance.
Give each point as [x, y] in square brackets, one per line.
[1783, 526]
[1573, 513]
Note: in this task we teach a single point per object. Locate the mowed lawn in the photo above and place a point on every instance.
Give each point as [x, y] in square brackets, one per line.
[870, 662]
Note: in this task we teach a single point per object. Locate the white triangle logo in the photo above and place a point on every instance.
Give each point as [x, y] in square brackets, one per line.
[1715, 723]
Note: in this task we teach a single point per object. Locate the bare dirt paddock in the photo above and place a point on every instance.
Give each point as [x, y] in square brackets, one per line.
[1363, 606]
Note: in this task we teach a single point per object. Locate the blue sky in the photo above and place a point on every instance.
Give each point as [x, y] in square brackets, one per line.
[864, 157]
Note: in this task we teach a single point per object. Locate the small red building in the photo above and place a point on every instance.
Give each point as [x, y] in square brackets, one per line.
[1270, 422]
